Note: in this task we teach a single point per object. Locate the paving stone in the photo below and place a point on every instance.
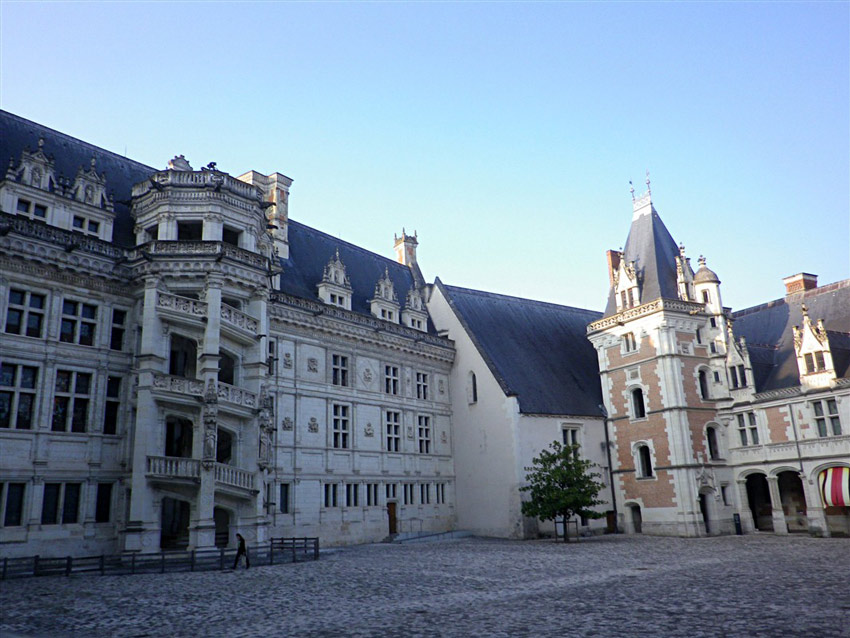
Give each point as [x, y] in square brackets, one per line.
[753, 586]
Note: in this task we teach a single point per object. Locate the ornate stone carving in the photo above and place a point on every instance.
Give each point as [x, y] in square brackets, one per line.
[287, 424]
[369, 430]
[441, 386]
[287, 360]
[312, 364]
[410, 432]
[313, 425]
[444, 439]
[239, 319]
[367, 376]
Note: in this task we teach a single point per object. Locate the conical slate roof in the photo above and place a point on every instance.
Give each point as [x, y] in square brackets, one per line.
[654, 252]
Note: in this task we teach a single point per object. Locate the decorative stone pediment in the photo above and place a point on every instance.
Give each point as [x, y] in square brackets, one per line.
[335, 287]
[685, 275]
[814, 355]
[626, 284]
[384, 303]
[90, 188]
[36, 168]
[414, 314]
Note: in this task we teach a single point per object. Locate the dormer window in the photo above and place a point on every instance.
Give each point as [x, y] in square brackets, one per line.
[814, 352]
[815, 362]
[738, 376]
[335, 288]
[414, 314]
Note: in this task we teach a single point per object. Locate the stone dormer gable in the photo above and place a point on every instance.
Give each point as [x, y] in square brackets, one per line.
[36, 168]
[738, 366]
[814, 355]
[384, 303]
[626, 284]
[414, 314]
[90, 188]
[685, 275]
[335, 288]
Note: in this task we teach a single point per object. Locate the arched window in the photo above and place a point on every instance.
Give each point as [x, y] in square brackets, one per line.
[638, 406]
[703, 384]
[711, 437]
[644, 461]
[178, 437]
[706, 298]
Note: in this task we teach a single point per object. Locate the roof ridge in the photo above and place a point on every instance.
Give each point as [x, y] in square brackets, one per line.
[77, 140]
[798, 296]
[484, 293]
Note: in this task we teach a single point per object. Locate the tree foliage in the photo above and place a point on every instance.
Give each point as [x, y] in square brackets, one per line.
[561, 485]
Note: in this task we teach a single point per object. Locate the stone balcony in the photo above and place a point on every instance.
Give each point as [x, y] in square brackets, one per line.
[196, 251]
[228, 395]
[813, 448]
[171, 469]
[181, 307]
[238, 323]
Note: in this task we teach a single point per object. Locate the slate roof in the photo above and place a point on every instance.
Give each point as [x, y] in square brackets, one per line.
[309, 252]
[69, 154]
[768, 329]
[537, 351]
[654, 252]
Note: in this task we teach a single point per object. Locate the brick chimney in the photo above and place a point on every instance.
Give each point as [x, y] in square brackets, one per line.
[405, 253]
[800, 283]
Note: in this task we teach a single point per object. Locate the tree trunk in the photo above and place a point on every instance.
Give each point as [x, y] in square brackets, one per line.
[566, 535]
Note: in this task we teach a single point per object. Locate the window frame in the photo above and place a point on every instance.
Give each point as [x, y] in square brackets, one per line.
[26, 312]
[15, 391]
[72, 398]
[9, 516]
[341, 426]
[423, 433]
[77, 321]
[422, 386]
[392, 430]
[340, 370]
[824, 417]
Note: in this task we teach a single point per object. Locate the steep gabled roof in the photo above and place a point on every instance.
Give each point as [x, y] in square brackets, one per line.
[654, 252]
[69, 154]
[309, 252]
[768, 329]
[537, 351]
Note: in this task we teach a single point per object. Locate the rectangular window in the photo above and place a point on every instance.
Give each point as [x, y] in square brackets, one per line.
[116, 337]
[110, 410]
[103, 508]
[713, 322]
[570, 437]
[339, 370]
[271, 361]
[748, 429]
[733, 373]
[352, 494]
[25, 315]
[724, 494]
[408, 493]
[393, 427]
[12, 502]
[440, 493]
[391, 379]
[422, 385]
[425, 493]
[50, 503]
[390, 491]
[826, 417]
[340, 426]
[24, 206]
[330, 495]
[742, 376]
[629, 343]
[71, 401]
[424, 434]
[371, 494]
[60, 497]
[78, 323]
[284, 498]
[17, 395]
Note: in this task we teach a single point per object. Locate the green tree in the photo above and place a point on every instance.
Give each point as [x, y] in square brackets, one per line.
[561, 485]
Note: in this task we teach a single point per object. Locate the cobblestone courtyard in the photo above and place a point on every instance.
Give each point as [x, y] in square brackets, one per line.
[611, 586]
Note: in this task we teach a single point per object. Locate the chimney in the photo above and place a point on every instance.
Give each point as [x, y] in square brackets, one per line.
[800, 283]
[613, 264]
[405, 253]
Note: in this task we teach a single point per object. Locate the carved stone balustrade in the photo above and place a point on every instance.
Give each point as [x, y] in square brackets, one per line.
[179, 385]
[238, 396]
[218, 249]
[173, 467]
[234, 476]
[239, 319]
[183, 305]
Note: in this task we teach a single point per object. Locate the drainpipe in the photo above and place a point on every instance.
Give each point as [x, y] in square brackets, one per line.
[610, 468]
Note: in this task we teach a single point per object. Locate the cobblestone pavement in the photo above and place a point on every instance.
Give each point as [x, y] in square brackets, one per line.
[751, 586]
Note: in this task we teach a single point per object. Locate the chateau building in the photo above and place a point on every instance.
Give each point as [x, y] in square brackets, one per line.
[181, 361]
[715, 414]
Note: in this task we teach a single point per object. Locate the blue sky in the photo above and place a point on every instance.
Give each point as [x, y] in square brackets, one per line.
[505, 134]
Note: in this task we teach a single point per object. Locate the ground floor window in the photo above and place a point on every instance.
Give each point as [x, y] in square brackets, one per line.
[12, 503]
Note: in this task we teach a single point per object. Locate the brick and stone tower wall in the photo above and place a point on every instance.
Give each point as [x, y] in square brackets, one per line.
[659, 347]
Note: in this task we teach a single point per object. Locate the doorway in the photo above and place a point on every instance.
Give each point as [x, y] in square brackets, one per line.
[637, 519]
[222, 526]
[793, 501]
[703, 508]
[758, 498]
[174, 533]
[391, 515]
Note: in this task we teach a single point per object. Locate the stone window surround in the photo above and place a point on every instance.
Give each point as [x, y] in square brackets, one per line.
[638, 462]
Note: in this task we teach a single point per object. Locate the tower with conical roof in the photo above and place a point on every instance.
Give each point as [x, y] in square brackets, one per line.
[661, 346]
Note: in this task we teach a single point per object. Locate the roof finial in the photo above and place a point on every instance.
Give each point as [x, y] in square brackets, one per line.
[632, 189]
[701, 261]
[40, 143]
[647, 183]
[805, 310]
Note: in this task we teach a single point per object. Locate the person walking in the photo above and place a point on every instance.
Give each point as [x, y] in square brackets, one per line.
[241, 551]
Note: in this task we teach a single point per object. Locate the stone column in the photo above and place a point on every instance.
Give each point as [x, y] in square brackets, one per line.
[779, 524]
[747, 523]
[815, 513]
[213, 226]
